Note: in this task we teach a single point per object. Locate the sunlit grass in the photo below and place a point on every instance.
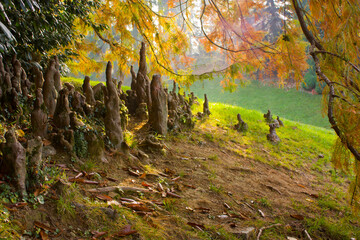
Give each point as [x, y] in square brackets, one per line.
[78, 82]
[291, 104]
[300, 143]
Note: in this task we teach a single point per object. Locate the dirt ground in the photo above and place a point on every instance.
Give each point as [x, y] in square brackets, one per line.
[210, 186]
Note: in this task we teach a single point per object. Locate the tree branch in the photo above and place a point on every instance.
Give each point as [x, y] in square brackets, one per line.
[309, 36]
[332, 96]
[338, 56]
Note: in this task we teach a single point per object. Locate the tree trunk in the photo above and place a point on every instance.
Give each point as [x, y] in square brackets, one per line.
[206, 110]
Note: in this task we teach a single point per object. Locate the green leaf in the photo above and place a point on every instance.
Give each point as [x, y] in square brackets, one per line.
[4, 13]
[22, 5]
[29, 3]
[36, 4]
[7, 32]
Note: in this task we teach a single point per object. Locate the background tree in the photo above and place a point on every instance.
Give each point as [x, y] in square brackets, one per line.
[32, 28]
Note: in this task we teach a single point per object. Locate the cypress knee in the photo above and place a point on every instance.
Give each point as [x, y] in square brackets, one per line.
[159, 111]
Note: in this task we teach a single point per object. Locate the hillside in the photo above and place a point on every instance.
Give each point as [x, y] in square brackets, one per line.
[221, 182]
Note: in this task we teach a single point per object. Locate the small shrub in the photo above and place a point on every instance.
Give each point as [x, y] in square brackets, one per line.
[129, 139]
[214, 188]
[169, 205]
[264, 202]
[213, 157]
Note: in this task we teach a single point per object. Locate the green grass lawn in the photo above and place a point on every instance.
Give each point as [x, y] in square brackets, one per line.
[290, 104]
[78, 82]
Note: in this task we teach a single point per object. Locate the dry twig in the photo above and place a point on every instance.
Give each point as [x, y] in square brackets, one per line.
[263, 228]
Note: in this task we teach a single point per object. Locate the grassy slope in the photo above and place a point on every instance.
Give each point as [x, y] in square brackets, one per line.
[291, 104]
[216, 160]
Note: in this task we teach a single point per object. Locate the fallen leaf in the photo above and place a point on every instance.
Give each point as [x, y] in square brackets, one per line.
[261, 213]
[160, 203]
[22, 139]
[114, 202]
[133, 173]
[169, 171]
[238, 215]
[46, 142]
[190, 209]
[104, 197]
[196, 225]
[227, 206]
[189, 186]
[160, 187]
[111, 179]
[138, 207]
[44, 226]
[97, 234]
[145, 184]
[79, 175]
[314, 195]
[297, 216]
[125, 231]
[232, 225]
[43, 235]
[20, 204]
[176, 178]
[128, 200]
[311, 194]
[20, 133]
[37, 192]
[171, 194]
[203, 210]
[84, 181]
[163, 174]
[13, 207]
[141, 213]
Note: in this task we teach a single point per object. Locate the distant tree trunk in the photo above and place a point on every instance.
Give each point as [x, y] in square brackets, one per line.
[206, 110]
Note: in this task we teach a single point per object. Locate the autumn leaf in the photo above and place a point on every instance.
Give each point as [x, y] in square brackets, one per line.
[127, 230]
[297, 216]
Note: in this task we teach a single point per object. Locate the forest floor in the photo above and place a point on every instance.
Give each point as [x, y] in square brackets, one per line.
[208, 183]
